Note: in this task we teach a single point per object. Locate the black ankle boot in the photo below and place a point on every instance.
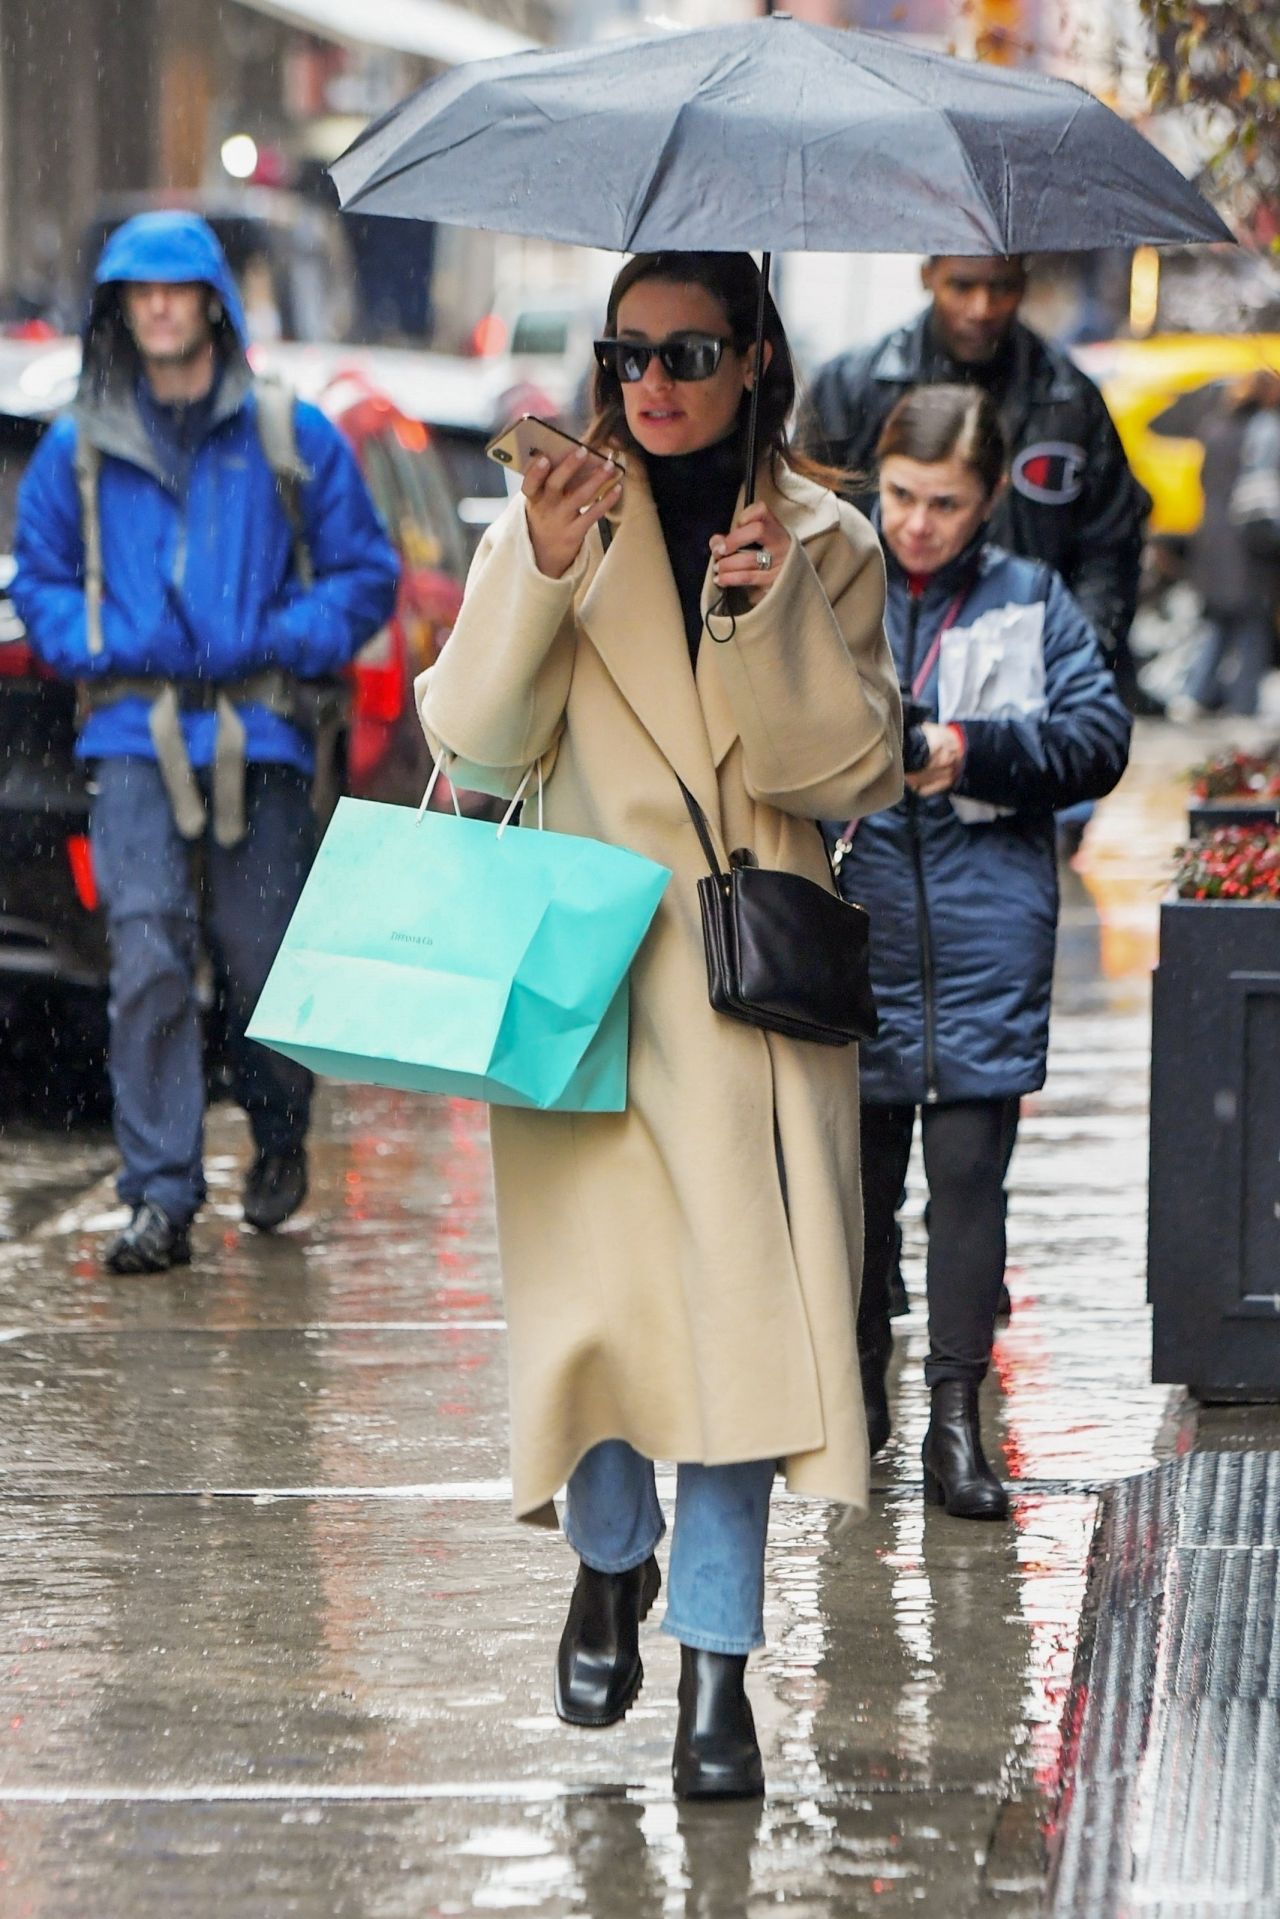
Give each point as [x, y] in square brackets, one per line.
[875, 1399]
[716, 1755]
[598, 1669]
[956, 1473]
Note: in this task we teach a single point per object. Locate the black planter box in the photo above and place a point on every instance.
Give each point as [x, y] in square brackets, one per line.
[1204, 816]
[1213, 1243]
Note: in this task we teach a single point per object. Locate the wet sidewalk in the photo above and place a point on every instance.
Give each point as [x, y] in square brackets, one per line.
[270, 1643]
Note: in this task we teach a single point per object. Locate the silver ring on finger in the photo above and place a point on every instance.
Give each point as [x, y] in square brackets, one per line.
[764, 559]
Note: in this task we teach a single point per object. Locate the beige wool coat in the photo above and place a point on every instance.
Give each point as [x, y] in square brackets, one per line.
[659, 1286]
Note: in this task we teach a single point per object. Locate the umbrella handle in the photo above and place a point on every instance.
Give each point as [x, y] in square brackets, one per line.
[723, 608]
[753, 412]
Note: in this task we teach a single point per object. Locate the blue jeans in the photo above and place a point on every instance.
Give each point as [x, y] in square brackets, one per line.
[715, 1581]
[145, 879]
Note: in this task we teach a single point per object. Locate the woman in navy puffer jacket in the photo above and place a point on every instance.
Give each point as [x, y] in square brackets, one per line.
[1013, 713]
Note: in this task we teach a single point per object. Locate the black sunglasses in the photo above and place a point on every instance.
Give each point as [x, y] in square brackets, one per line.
[690, 356]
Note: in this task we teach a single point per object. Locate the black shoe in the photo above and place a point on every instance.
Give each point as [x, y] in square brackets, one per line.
[875, 1399]
[717, 1755]
[956, 1473]
[598, 1669]
[150, 1243]
[1004, 1305]
[275, 1188]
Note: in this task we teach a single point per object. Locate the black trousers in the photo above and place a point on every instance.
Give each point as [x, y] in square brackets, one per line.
[967, 1148]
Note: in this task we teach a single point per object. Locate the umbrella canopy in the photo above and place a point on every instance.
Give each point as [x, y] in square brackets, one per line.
[769, 135]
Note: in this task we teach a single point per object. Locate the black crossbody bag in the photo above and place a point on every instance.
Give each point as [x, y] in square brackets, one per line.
[782, 952]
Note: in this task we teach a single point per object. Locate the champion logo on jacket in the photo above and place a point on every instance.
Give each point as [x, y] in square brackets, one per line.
[1050, 472]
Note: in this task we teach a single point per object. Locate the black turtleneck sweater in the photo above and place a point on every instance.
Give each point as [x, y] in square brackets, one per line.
[695, 494]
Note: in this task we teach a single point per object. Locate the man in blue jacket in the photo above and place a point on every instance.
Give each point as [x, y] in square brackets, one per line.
[199, 586]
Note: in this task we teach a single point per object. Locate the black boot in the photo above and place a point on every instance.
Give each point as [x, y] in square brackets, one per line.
[956, 1473]
[598, 1669]
[150, 1243]
[716, 1755]
[875, 1398]
[275, 1188]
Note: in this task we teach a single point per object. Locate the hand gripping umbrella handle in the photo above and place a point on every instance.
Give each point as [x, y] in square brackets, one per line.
[723, 608]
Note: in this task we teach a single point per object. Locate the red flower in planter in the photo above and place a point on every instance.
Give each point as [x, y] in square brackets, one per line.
[1238, 776]
[1234, 863]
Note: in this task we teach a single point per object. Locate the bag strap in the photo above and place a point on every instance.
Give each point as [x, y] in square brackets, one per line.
[88, 462]
[274, 408]
[701, 828]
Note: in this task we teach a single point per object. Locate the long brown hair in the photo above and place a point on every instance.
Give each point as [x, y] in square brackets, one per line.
[932, 422]
[733, 280]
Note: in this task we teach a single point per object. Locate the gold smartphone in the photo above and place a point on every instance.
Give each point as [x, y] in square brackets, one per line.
[519, 445]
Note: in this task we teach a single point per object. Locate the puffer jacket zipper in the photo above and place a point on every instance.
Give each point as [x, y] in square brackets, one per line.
[914, 804]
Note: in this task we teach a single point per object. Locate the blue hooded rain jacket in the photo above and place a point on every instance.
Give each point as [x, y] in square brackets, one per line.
[964, 916]
[198, 584]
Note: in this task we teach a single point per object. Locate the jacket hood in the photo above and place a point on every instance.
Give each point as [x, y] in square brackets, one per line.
[173, 247]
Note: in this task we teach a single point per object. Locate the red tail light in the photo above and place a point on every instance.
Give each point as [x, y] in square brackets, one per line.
[17, 661]
[488, 335]
[80, 858]
[380, 679]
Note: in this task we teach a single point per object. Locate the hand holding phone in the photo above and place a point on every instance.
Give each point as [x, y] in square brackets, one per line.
[567, 487]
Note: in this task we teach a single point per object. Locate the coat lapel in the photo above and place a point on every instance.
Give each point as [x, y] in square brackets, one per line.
[631, 614]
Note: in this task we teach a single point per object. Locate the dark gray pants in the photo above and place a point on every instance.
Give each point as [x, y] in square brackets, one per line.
[967, 1148]
[145, 878]
[1230, 667]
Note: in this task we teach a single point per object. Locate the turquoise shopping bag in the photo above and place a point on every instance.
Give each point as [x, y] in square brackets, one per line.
[445, 955]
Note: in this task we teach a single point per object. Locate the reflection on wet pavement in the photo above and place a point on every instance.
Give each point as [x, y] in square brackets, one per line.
[329, 1693]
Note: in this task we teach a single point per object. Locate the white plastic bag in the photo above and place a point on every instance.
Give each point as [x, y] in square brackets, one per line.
[990, 669]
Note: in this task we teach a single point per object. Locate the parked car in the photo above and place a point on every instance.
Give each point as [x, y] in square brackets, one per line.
[53, 957]
[53, 954]
[462, 402]
[541, 337]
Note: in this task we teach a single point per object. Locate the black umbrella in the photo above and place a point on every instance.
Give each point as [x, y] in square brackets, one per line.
[771, 134]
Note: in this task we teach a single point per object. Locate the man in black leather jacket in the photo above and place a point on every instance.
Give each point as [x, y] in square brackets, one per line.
[1072, 499]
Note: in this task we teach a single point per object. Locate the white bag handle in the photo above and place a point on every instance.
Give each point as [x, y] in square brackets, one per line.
[432, 783]
[519, 795]
[438, 769]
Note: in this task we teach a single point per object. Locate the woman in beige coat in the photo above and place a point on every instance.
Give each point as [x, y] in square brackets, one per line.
[681, 1279]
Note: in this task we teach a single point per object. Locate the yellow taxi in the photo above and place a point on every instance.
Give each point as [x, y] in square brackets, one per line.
[1158, 391]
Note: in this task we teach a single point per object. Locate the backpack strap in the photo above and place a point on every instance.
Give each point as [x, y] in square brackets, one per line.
[274, 406]
[88, 463]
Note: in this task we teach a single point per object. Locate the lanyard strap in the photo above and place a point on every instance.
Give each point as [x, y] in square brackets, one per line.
[949, 619]
[845, 842]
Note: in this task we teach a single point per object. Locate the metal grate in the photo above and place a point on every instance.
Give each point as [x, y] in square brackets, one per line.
[1172, 1806]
